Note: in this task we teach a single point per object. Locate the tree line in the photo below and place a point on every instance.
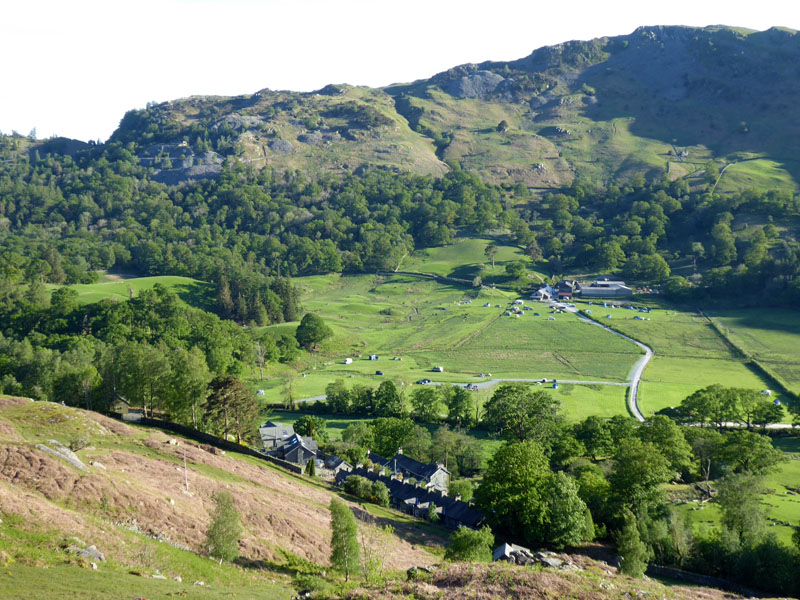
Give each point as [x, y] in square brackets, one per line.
[101, 209]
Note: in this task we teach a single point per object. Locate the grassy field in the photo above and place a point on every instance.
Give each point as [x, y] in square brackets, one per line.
[668, 332]
[425, 324]
[771, 336]
[191, 291]
[668, 380]
[763, 174]
[21, 582]
[689, 353]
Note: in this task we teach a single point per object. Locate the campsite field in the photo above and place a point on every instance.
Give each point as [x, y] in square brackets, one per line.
[669, 332]
[771, 336]
[425, 324]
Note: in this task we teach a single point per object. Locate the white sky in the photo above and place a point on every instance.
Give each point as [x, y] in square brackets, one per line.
[73, 67]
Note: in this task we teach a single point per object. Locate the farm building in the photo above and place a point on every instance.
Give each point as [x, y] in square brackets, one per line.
[434, 475]
[606, 288]
[543, 294]
[565, 289]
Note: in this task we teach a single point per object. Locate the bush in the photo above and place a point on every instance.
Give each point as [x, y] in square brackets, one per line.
[471, 545]
[79, 442]
[371, 491]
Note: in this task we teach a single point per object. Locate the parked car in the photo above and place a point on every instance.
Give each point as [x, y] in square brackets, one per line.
[423, 382]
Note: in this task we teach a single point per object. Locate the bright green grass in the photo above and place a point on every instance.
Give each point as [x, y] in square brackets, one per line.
[668, 332]
[191, 291]
[534, 347]
[771, 336]
[463, 259]
[668, 380]
[761, 174]
[581, 401]
[425, 324]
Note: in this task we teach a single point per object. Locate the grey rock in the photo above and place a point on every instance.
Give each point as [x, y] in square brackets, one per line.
[280, 146]
[474, 85]
[313, 138]
[59, 450]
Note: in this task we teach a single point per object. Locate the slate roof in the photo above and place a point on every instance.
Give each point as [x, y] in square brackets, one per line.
[376, 460]
[454, 512]
[272, 434]
[334, 462]
[401, 463]
[298, 440]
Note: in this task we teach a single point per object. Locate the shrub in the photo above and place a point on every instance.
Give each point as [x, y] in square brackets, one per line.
[471, 545]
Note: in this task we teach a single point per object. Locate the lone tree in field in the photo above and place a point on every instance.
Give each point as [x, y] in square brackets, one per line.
[222, 539]
[490, 252]
[345, 555]
[311, 331]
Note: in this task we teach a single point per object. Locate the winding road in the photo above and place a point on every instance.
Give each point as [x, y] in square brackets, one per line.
[634, 378]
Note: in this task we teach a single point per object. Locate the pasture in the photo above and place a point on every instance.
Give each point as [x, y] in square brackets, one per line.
[192, 292]
[669, 379]
[424, 324]
[771, 336]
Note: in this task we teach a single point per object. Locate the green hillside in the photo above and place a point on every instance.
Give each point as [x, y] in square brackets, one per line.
[660, 98]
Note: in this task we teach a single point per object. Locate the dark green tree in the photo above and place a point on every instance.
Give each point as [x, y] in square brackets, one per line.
[312, 426]
[517, 412]
[511, 493]
[633, 552]
[388, 401]
[231, 408]
[593, 432]
[425, 404]
[638, 473]
[311, 331]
